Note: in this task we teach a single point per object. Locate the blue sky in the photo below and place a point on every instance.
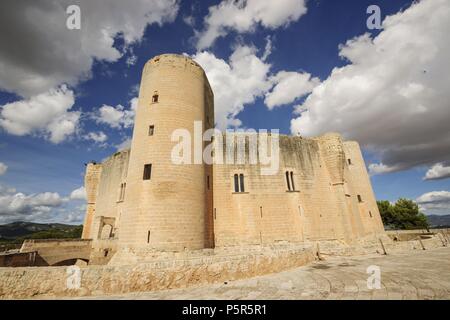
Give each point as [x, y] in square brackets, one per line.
[43, 159]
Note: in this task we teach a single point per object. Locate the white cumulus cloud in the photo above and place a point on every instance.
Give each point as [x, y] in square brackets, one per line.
[125, 144]
[235, 83]
[393, 95]
[118, 116]
[97, 137]
[39, 52]
[245, 15]
[289, 86]
[44, 207]
[78, 194]
[47, 114]
[380, 168]
[33, 207]
[3, 168]
[437, 202]
[438, 171]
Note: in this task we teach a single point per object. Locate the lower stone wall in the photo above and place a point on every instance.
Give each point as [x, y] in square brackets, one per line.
[145, 271]
[389, 242]
[55, 251]
[19, 283]
[19, 259]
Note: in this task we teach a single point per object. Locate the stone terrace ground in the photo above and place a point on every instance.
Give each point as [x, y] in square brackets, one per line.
[416, 274]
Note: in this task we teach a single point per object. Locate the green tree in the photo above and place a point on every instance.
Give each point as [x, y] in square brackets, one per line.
[404, 214]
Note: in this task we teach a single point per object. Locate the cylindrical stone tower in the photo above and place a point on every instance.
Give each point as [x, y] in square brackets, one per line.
[168, 205]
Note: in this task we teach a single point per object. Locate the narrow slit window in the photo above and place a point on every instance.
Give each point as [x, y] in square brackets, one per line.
[370, 214]
[155, 97]
[287, 181]
[359, 198]
[292, 181]
[241, 178]
[151, 130]
[207, 181]
[236, 183]
[122, 191]
[147, 172]
[349, 161]
[148, 236]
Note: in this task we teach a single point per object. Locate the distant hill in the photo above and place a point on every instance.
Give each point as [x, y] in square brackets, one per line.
[29, 230]
[439, 221]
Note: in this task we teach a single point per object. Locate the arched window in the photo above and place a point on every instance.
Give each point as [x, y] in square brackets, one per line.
[287, 181]
[239, 185]
[292, 181]
[106, 232]
[241, 176]
[236, 183]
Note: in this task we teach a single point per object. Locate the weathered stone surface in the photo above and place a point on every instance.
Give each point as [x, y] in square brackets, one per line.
[406, 276]
[156, 274]
[194, 205]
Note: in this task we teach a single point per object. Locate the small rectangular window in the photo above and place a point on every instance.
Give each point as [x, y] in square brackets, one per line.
[151, 130]
[155, 98]
[239, 185]
[359, 198]
[349, 161]
[147, 172]
[370, 214]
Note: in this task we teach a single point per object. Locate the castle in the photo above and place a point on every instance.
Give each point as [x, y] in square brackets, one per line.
[139, 199]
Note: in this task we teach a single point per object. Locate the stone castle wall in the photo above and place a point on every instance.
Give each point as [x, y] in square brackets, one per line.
[195, 206]
[324, 204]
